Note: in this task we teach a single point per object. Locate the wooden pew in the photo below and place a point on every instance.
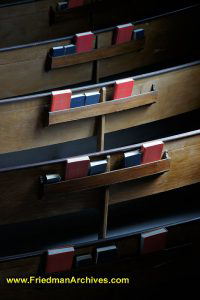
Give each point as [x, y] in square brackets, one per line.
[26, 21]
[26, 123]
[181, 249]
[24, 198]
[23, 69]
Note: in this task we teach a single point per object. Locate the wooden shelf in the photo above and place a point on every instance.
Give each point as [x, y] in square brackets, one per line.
[103, 108]
[96, 54]
[108, 178]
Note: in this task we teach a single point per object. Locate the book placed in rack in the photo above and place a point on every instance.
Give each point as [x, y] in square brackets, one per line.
[77, 100]
[60, 100]
[92, 98]
[98, 167]
[152, 151]
[132, 158]
[59, 259]
[123, 33]
[123, 88]
[152, 241]
[77, 167]
[106, 254]
[84, 42]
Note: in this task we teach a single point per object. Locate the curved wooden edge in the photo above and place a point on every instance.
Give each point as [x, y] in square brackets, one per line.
[103, 108]
[56, 17]
[108, 178]
[96, 54]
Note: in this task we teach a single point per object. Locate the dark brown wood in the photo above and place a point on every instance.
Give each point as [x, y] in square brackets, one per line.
[108, 178]
[105, 206]
[104, 108]
[101, 124]
[22, 64]
[96, 54]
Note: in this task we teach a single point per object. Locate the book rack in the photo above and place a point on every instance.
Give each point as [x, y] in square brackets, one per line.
[108, 178]
[94, 55]
[103, 108]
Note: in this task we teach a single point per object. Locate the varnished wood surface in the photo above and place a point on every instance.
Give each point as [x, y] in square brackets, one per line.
[105, 108]
[22, 70]
[31, 22]
[23, 123]
[96, 54]
[21, 191]
[108, 178]
[181, 239]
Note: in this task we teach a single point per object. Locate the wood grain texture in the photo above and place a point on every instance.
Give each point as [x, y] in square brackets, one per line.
[22, 70]
[96, 54]
[104, 108]
[23, 124]
[101, 124]
[20, 198]
[108, 178]
[128, 248]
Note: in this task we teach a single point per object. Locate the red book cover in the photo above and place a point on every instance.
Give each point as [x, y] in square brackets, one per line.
[59, 259]
[123, 33]
[84, 42]
[123, 88]
[60, 100]
[77, 167]
[152, 151]
[75, 3]
[154, 240]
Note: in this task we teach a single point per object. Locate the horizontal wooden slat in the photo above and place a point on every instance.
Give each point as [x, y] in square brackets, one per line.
[100, 109]
[96, 54]
[108, 178]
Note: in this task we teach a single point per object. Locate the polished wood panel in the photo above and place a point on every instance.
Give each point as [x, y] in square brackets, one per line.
[96, 54]
[24, 122]
[108, 178]
[20, 198]
[23, 70]
[104, 108]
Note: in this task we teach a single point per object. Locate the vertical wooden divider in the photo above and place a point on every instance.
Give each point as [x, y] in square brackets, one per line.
[106, 192]
[96, 65]
[101, 122]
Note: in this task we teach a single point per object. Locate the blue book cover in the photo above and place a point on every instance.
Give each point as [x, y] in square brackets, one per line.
[92, 98]
[132, 158]
[77, 101]
[106, 254]
[138, 34]
[57, 51]
[70, 49]
[98, 167]
[61, 6]
[83, 260]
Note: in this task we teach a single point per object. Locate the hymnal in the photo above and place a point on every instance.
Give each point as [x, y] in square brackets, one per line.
[152, 151]
[92, 98]
[83, 260]
[123, 33]
[59, 259]
[77, 100]
[57, 51]
[75, 3]
[132, 158]
[106, 254]
[138, 34]
[98, 167]
[62, 6]
[84, 42]
[153, 241]
[70, 49]
[123, 88]
[77, 167]
[60, 100]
